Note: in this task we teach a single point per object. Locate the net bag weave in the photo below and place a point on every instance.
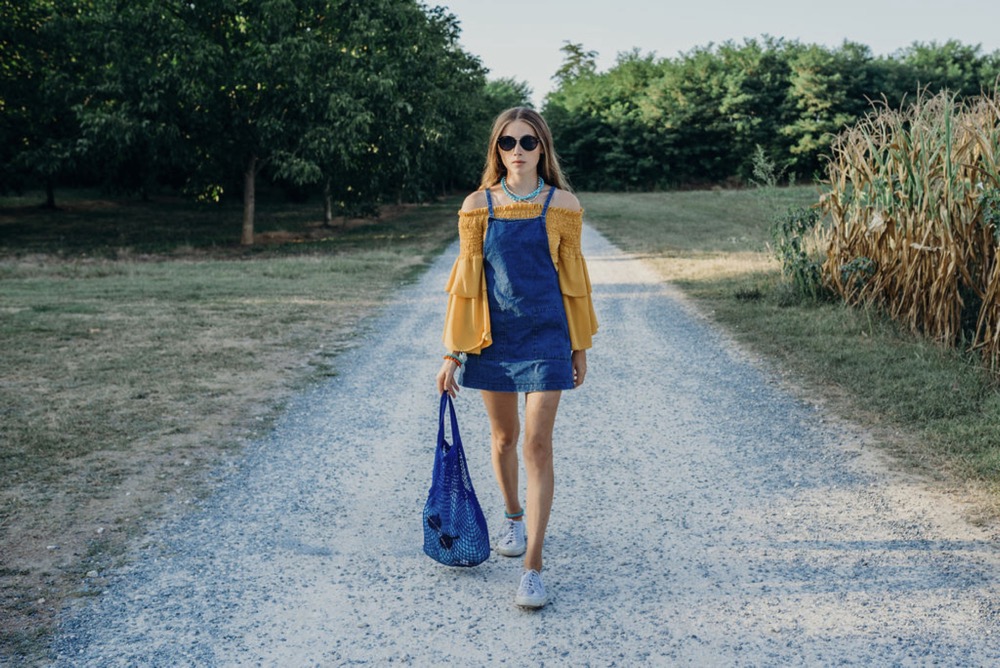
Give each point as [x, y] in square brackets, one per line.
[455, 532]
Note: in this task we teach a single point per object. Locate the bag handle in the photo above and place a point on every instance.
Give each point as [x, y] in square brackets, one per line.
[447, 402]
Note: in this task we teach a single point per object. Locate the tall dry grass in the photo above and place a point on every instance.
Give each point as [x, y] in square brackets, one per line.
[908, 199]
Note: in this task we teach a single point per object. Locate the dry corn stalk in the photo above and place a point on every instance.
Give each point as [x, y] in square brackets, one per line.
[907, 228]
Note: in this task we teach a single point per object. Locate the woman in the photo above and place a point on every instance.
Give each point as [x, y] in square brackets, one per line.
[520, 319]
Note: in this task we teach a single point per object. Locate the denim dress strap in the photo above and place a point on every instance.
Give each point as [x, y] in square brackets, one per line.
[489, 202]
[545, 209]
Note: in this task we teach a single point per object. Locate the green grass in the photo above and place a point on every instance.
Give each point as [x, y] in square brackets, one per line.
[692, 223]
[87, 225]
[141, 345]
[943, 405]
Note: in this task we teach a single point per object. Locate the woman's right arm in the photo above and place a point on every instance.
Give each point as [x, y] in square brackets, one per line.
[446, 377]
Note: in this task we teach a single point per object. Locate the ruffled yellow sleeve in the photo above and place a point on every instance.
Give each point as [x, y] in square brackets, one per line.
[565, 229]
[467, 318]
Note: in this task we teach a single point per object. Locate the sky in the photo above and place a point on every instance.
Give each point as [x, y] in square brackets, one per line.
[521, 38]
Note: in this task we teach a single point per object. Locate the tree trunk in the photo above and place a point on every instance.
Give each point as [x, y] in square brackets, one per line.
[50, 194]
[249, 202]
[327, 204]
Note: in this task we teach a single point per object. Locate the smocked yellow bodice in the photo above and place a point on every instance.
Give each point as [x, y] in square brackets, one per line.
[467, 319]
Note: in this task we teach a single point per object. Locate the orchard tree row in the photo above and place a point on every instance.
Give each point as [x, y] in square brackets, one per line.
[364, 101]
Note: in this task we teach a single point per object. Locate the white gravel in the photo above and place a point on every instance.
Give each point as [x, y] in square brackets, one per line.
[702, 517]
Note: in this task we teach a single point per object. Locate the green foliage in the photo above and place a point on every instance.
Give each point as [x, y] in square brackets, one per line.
[603, 133]
[506, 93]
[829, 89]
[577, 63]
[856, 273]
[376, 101]
[38, 71]
[951, 66]
[364, 101]
[652, 122]
[989, 201]
[789, 233]
[766, 176]
[132, 105]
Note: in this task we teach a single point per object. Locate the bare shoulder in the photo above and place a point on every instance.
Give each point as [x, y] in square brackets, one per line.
[565, 200]
[476, 200]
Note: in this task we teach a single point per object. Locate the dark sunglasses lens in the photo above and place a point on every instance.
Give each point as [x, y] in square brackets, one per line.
[528, 143]
[434, 522]
[506, 143]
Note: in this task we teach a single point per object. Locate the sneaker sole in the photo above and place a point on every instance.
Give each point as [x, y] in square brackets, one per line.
[508, 552]
[526, 602]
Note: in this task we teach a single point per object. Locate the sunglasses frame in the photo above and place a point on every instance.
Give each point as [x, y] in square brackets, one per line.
[521, 141]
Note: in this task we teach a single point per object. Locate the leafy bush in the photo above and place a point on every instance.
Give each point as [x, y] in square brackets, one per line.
[790, 232]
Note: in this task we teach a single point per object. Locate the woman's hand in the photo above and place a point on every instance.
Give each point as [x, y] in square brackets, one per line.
[579, 367]
[446, 378]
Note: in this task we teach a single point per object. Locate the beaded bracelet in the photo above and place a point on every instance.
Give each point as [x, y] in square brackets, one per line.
[453, 358]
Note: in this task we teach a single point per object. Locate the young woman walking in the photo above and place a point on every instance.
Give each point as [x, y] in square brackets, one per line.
[519, 320]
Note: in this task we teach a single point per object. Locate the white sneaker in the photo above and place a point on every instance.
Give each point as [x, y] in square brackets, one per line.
[531, 593]
[513, 541]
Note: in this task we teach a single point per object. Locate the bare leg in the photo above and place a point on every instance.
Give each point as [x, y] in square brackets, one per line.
[504, 431]
[539, 420]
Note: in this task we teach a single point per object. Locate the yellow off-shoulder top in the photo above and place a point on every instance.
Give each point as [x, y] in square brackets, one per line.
[467, 319]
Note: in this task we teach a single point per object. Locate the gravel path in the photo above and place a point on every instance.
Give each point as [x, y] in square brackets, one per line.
[702, 517]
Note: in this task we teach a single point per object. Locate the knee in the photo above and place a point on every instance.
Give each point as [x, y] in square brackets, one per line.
[504, 442]
[538, 453]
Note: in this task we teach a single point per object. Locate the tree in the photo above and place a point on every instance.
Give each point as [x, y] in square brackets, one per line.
[258, 60]
[434, 106]
[571, 113]
[690, 97]
[821, 99]
[38, 129]
[416, 100]
[630, 148]
[755, 103]
[577, 63]
[699, 117]
[507, 93]
[602, 123]
[358, 97]
[135, 102]
[952, 66]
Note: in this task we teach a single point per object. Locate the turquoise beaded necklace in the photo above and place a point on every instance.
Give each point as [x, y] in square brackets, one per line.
[518, 198]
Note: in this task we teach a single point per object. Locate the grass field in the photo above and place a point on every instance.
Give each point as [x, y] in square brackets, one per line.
[141, 347]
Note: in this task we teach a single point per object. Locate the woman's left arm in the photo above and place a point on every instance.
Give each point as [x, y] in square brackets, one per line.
[579, 367]
[566, 225]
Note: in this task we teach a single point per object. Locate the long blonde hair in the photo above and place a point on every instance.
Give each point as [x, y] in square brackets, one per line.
[548, 162]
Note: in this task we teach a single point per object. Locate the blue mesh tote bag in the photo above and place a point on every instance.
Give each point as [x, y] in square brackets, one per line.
[455, 531]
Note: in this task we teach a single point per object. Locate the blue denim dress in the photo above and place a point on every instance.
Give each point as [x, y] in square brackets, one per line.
[531, 347]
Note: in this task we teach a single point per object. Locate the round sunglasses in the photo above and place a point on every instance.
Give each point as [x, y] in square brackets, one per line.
[528, 142]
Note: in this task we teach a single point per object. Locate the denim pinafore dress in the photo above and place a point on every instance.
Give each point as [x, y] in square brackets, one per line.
[531, 349]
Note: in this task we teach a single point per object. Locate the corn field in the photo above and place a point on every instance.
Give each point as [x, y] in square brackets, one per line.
[912, 200]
